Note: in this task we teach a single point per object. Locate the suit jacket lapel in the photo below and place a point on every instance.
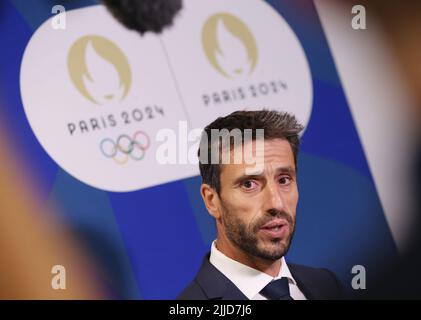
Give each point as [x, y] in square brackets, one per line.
[306, 285]
[215, 284]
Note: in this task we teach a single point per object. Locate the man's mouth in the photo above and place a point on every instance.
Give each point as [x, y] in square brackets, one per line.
[276, 228]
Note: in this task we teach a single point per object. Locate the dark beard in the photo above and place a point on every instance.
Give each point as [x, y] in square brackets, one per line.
[245, 237]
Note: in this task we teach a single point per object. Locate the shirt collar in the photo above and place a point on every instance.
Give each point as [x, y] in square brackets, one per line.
[249, 280]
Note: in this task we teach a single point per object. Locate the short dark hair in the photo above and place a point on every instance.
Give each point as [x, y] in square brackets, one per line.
[276, 125]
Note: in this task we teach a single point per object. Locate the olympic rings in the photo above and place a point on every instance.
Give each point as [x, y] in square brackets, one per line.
[125, 147]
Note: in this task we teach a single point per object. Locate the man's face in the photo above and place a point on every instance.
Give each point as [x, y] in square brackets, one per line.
[258, 211]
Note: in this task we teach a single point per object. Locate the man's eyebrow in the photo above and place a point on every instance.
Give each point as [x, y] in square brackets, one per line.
[245, 177]
[289, 170]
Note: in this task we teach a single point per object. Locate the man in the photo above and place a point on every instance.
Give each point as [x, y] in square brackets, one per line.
[255, 211]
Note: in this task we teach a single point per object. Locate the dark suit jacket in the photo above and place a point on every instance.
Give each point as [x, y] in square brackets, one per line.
[210, 283]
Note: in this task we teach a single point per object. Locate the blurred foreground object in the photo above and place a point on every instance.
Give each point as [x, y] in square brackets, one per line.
[401, 23]
[401, 26]
[32, 242]
[144, 15]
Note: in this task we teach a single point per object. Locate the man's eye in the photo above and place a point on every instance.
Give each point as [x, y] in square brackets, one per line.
[285, 180]
[249, 184]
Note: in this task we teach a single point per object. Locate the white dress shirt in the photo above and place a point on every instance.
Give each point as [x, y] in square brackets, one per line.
[251, 281]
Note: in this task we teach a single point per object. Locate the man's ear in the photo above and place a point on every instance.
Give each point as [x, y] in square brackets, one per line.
[211, 199]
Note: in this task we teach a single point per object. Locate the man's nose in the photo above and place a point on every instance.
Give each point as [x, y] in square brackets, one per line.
[274, 198]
